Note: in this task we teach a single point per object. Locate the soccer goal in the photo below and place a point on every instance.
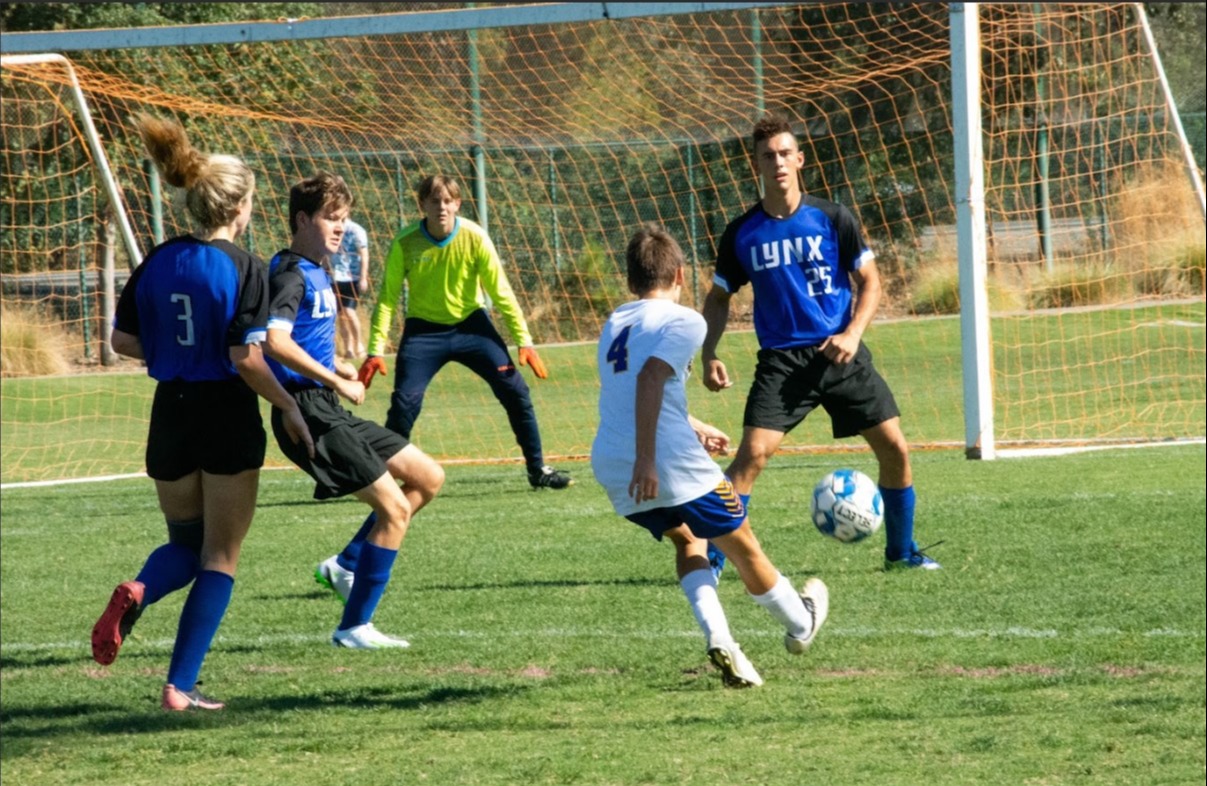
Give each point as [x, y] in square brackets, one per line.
[569, 124]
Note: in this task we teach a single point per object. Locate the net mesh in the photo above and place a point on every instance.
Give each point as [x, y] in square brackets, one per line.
[584, 130]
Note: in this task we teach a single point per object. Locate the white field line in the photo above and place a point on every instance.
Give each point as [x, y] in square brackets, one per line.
[572, 633]
[1065, 451]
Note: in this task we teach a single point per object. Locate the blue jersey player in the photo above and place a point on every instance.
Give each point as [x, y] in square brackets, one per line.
[800, 255]
[352, 455]
[195, 310]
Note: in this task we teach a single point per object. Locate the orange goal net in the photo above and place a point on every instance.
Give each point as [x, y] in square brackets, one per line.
[566, 136]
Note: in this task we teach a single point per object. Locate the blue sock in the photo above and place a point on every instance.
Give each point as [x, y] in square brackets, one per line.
[898, 522]
[199, 620]
[372, 575]
[169, 568]
[745, 502]
[348, 558]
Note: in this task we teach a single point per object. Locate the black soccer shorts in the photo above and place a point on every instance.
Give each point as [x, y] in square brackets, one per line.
[211, 426]
[349, 452]
[791, 383]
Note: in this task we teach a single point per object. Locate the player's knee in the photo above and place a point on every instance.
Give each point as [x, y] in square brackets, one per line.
[393, 515]
[434, 482]
[189, 534]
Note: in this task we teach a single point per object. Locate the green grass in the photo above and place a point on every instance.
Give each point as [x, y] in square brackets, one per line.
[1062, 643]
[1125, 373]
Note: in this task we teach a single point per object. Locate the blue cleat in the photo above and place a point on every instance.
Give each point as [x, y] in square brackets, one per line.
[716, 561]
[916, 559]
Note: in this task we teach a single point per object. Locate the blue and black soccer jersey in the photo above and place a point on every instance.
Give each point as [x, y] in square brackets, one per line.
[189, 302]
[302, 302]
[799, 267]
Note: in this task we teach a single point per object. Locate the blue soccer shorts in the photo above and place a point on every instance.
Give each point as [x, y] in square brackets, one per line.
[717, 513]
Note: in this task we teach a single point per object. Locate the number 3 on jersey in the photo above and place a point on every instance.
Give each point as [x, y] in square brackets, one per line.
[186, 316]
[618, 352]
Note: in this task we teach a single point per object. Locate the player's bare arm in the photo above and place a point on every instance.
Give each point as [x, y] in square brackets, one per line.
[127, 344]
[248, 360]
[651, 382]
[715, 441]
[282, 348]
[716, 316]
[841, 348]
[363, 283]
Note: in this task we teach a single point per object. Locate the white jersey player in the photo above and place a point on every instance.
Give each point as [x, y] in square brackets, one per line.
[653, 459]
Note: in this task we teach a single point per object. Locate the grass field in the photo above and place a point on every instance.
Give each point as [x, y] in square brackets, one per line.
[1121, 374]
[1062, 643]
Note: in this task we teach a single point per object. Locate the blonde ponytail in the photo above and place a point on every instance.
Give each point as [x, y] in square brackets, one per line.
[215, 184]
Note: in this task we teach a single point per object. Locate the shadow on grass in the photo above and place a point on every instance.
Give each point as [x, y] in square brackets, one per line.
[44, 723]
[546, 584]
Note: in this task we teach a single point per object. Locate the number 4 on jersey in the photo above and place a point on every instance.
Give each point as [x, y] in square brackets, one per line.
[618, 352]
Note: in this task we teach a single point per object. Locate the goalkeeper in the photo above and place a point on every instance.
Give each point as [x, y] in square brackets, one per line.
[446, 262]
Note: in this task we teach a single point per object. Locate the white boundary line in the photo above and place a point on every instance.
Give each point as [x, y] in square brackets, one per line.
[1041, 452]
[571, 633]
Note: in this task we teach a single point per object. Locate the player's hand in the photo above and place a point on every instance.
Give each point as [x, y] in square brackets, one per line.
[716, 376]
[345, 369]
[840, 349]
[296, 428]
[529, 357]
[644, 485]
[374, 364]
[351, 389]
[715, 441]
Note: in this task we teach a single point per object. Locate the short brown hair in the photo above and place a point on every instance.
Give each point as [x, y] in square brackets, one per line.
[324, 190]
[652, 258]
[769, 125]
[432, 183]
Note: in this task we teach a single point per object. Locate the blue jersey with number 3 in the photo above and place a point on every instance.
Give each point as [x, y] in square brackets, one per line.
[302, 302]
[799, 267]
[189, 302]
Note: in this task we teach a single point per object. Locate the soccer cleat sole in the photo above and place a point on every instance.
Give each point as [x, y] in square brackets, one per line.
[325, 582]
[725, 664]
[108, 633]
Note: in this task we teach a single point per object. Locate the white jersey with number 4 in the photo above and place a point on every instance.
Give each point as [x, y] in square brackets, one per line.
[633, 334]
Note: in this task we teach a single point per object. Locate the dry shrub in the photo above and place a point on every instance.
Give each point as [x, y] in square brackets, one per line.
[31, 344]
[934, 287]
[1155, 205]
[1070, 286]
[1158, 232]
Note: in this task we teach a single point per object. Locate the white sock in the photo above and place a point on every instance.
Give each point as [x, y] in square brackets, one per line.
[700, 587]
[783, 602]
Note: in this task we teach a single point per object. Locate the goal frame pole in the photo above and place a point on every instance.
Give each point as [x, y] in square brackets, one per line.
[975, 347]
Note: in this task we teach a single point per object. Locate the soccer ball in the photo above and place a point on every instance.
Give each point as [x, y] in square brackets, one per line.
[847, 506]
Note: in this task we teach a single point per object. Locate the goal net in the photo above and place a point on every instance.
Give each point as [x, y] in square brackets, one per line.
[567, 136]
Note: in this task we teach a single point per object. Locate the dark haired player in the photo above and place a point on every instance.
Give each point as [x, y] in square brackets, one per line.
[352, 455]
[800, 254]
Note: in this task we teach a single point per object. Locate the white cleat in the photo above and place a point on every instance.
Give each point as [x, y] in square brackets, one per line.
[335, 578]
[736, 669]
[367, 637]
[816, 597]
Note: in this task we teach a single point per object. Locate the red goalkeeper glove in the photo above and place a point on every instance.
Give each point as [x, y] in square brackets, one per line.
[372, 365]
[529, 357]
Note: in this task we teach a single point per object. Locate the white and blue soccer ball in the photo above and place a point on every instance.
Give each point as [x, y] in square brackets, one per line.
[847, 506]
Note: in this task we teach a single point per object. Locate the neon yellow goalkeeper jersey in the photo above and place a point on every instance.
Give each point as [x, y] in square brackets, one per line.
[445, 281]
